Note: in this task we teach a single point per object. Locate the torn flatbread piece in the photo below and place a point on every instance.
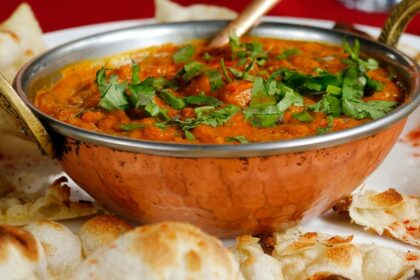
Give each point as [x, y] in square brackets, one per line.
[168, 250]
[168, 11]
[388, 213]
[20, 40]
[318, 256]
[18, 208]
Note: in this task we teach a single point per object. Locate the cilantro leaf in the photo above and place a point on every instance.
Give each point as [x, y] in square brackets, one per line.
[329, 104]
[184, 54]
[215, 79]
[112, 92]
[239, 138]
[303, 116]
[359, 109]
[370, 64]
[131, 126]
[288, 53]
[222, 63]
[192, 70]
[135, 79]
[323, 130]
[353, 83]
[172, 100]
[203, 100]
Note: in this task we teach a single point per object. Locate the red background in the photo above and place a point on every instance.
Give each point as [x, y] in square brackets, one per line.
[59, 14]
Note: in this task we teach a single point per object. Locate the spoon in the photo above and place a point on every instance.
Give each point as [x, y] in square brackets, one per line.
[248, 18]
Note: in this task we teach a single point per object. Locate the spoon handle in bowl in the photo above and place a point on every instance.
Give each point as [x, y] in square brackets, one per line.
[398, 20]
[243, 22]
[31, 126]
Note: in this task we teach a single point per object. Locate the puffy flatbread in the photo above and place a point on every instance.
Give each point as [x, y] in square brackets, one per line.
[168, 11]
[312, 255]
[161, 251]
[21, 255]
[62, 248]
[101, 231]
[19, 208]
[389, 213]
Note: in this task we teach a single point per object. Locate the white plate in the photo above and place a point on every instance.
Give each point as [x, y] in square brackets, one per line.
[400, 169]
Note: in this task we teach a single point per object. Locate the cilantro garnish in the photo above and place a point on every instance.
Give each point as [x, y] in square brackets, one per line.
[184, 54]
[203, 100]
[303, 116]
[288, 53]
[112, 92]
[131, 126]
[239, 138]
[172, 100]
[323, 130]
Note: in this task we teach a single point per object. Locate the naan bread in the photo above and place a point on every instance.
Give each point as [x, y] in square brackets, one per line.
[20, 208]
[22, 167]
[101, 231]
[62, 248]
[21, 255]
[319, 256]
[161, 251]
[20, 40]
[389, 213]
[168, 11]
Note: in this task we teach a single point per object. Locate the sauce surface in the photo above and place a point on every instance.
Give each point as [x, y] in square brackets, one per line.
[254, 90]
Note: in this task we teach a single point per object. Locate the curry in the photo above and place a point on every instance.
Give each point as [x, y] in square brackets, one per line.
[254, 90]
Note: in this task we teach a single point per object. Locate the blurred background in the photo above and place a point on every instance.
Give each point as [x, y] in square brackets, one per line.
[60, 14]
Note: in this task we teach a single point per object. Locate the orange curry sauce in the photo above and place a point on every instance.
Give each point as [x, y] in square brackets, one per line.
[75, 98]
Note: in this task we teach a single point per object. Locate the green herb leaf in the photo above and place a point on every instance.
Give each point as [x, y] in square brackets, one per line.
[239, 138]
[360, 109]
[323, 130]
[329, 104]
[207, 57]
[203, 100]
[172, 100]
[290, 98]
[215, 79]
[374, 84]
[288, 53]
[192, 70]
[135, 78]
[303, 116]
[189, 135]
[222, 63]
[161, 125]
[112, 92]
[184, 54]
[131, 126]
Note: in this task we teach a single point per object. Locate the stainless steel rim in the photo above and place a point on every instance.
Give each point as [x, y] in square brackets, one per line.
[217, 150]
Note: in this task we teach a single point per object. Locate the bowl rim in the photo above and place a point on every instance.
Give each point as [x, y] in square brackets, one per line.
[226, 150]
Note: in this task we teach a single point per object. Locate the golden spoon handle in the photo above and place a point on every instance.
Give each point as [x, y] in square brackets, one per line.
[244, 21]
[31, 126]
[398, 20]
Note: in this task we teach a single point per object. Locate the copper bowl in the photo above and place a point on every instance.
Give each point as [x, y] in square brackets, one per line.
[225, 189]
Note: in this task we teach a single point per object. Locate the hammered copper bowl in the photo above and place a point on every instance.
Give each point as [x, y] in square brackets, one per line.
[225, 189]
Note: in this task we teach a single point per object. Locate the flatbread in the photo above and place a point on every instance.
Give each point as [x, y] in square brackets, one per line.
[161, 251]
[21, 255]
[62, 248]
[389, 213]
[101, 231]
[20, 40]
[20, 208]
[168, 11]
[312, 255]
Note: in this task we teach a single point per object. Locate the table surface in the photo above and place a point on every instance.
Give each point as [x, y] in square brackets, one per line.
[60, 14]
